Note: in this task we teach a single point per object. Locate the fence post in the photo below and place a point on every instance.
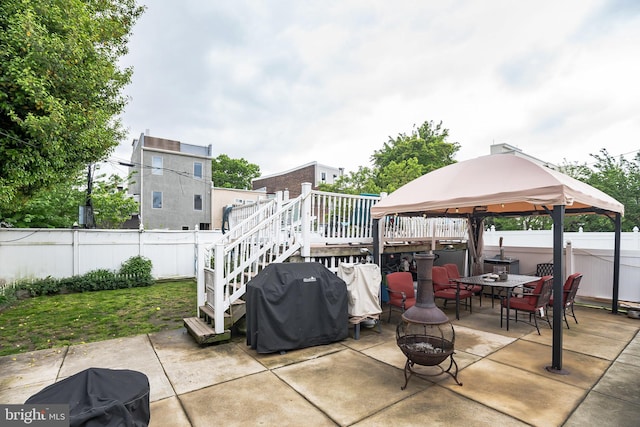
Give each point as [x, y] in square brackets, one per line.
[140, 244]
[569, 261]
[201, 283]
[306, 220]
[218, 287]
[76, 253]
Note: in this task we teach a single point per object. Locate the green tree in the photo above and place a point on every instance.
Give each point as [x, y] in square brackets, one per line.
[361, 181]
[620, 179]
[400, 160]
[427, 144]
[395, 175]
[233, 173]
[57, 206]
[111, 202]
[60, 88]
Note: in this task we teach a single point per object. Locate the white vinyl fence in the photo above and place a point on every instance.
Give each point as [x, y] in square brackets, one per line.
[38, 253]
[588, 253]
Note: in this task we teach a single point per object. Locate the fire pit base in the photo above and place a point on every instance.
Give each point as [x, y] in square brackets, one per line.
[409, 371]
[426, 350]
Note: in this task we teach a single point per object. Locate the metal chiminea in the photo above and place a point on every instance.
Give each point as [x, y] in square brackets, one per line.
[425, 335]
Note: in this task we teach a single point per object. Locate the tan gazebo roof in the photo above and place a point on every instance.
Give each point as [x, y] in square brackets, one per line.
[499, 183]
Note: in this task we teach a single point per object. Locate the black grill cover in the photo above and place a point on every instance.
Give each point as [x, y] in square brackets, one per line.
[101, 397]
[295, 305]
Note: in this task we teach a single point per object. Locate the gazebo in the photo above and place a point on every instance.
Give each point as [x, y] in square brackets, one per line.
[505, 185]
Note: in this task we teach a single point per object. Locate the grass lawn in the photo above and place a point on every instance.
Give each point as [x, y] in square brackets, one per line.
[59, 320]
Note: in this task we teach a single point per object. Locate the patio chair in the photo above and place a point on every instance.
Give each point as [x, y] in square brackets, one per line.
[569, 291]
[402, 294]
[440, 278]
[544, 269]
[454, 273]
[443, 288]
[533, 303]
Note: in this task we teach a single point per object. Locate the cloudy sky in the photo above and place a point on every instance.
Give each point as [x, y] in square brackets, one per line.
[283, 83]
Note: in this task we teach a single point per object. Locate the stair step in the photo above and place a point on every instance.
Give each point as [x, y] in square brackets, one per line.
[238, 309]
[207, 312]
[203, 333]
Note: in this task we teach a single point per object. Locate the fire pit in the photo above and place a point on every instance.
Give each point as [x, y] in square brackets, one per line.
[425, 335]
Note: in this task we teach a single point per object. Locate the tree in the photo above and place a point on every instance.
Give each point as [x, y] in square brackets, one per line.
[427, 144]
[619, 179]
[400, 160]
[395, 175]
[361, 181]
[233, 173]
[57, 207]
[60, 89]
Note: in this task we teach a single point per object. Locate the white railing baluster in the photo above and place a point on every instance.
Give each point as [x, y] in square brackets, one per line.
[272, 231]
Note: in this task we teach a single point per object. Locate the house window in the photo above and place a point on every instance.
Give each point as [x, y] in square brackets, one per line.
[324, 176]
[204, 226]
[157, 199]
[156, 165]
[197, 170]
[197, 202]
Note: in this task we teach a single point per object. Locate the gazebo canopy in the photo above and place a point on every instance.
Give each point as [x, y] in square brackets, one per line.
[506, 185]
[495, 184]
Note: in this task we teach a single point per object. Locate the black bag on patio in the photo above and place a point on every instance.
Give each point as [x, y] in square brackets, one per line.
[101, 397]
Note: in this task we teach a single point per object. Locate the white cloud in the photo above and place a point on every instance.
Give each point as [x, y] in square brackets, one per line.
[285, 83]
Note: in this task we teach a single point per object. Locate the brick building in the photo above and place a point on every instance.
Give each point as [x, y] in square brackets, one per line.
[292, 179]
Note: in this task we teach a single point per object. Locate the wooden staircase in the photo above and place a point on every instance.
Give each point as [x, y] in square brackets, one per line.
[201, 328]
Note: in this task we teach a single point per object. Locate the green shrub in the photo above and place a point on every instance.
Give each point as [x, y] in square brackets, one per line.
[137, 265]
[135, 272]
[7, 294]
[37, 287]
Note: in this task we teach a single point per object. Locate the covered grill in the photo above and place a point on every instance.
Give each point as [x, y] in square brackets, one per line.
[295, 305]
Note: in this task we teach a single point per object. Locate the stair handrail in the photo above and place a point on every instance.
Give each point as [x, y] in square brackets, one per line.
[238, 257]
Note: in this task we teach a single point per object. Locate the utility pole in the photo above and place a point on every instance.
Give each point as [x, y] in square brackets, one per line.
[89, 220]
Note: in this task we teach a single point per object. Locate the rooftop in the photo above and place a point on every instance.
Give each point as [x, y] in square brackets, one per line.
[357, 382]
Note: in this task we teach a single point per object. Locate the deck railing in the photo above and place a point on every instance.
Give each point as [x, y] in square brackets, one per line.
[275, 230]
[413, 229]
[340, 218]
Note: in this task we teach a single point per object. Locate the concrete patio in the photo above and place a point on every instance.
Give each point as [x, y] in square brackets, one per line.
[357, 382]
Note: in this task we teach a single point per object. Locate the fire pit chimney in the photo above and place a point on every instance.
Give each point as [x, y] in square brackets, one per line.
[425, 310]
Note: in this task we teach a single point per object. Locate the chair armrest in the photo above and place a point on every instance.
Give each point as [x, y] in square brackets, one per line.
[404, 296]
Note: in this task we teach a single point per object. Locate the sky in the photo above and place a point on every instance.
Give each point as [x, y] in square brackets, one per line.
[284, 83]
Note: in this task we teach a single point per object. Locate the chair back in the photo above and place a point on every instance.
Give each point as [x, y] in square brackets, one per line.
[452, 270]
[544, 269]
[538, 293]
[400, 281]
[543, 291]
[571, 288]
[440, 278]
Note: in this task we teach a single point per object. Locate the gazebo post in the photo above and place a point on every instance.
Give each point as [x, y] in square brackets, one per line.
[375, 231]
[558, 247]
[616, 264]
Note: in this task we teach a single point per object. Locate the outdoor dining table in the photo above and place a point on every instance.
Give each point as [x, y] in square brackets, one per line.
[513, 281]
